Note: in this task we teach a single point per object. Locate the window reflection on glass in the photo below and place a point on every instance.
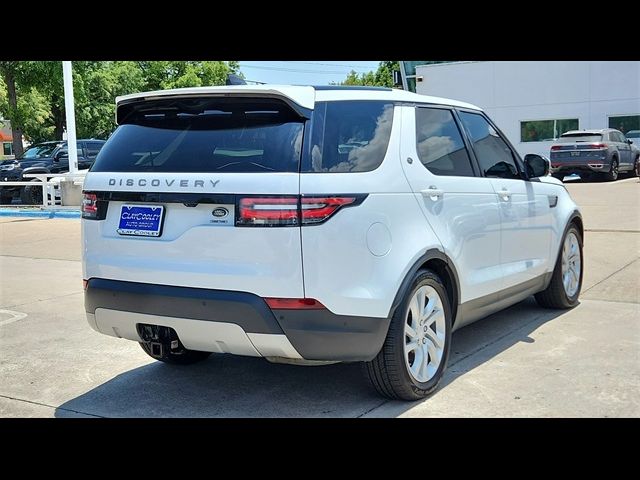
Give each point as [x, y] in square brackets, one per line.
[439, 143]
[494, 155]
[546, 130]
[625, 123]
[350, 136]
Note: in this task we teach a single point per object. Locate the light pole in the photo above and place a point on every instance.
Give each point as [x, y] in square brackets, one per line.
[71, 117]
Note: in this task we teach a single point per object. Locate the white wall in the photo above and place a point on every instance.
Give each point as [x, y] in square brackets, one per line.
[511, 92]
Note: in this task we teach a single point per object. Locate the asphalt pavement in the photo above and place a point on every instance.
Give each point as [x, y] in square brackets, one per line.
[522, 362]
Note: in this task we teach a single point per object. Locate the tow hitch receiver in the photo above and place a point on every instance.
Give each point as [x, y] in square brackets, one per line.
[160, 339]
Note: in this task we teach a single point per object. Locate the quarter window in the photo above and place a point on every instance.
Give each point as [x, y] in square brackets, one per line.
[350, 136]
[439, 143]
[494, 155]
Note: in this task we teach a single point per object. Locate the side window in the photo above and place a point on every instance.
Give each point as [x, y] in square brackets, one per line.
[92, 149]
[350, 136]
[621, 137]
[494, 156]
[613, 137]
[65, 150]
[439, 143]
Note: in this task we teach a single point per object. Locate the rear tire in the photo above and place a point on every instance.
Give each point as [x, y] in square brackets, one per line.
[566, 282]
[414, 355]
[32, 195]
[187, 357]
[612, 174]
[636, 168]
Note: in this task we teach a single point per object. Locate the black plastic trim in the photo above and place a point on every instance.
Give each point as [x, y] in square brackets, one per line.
[481, 307]
[406, 283]
[245, 309]
[323, 335]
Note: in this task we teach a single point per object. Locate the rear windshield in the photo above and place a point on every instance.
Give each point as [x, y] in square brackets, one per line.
[205, 135]
[579, 137]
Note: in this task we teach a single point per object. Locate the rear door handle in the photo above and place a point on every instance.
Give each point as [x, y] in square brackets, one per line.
[433, 192]
[504, 194]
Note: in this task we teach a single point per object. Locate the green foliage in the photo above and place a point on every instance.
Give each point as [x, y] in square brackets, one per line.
[40, 91]
[382, 77]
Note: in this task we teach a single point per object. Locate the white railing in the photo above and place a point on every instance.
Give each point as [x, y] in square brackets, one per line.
[48, 187]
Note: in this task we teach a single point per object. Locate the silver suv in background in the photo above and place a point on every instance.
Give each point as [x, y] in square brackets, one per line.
[584, 152]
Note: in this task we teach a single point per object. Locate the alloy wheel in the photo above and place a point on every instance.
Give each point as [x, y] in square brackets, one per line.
[571, 264]
[425, 334]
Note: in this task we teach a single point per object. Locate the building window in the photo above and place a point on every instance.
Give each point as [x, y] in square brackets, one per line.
[7, 148]
[546, 130]
[625, 123]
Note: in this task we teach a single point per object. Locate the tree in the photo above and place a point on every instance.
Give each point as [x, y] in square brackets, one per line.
[382, 77]
[32, 93]
[9, 70]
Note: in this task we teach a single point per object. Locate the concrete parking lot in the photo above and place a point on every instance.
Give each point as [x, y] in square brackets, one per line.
[522, 362]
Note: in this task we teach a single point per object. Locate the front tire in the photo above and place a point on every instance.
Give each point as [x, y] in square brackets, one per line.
[414, 355]
[186, 357]
[566, 282]
[5, 199]
[32, 195]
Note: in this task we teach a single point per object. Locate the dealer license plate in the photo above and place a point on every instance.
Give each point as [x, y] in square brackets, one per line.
[141, 220]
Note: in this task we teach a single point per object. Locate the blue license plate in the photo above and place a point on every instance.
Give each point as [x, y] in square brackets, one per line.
[141, 220]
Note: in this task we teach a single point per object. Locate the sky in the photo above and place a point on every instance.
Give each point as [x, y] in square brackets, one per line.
[310, 72]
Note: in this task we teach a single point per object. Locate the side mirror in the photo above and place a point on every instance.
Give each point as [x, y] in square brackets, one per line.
[629, 141]
[536, 165]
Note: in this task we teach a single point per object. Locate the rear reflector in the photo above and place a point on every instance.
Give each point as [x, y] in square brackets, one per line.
[294, 304]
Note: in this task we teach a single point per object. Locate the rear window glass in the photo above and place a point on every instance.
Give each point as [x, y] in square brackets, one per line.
[579, 137]
[200, 135]
[350, 136]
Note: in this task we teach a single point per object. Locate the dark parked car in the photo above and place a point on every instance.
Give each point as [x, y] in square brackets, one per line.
[45, 157]
[584, 152]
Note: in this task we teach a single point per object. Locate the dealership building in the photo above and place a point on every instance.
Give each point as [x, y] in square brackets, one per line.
[535, 102]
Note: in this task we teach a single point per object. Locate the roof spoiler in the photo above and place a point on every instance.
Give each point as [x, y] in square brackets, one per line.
[233, 79]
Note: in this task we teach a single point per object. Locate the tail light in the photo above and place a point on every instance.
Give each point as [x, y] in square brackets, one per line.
[294, 304]
[597, 146]
[291, 210]
[318, 209]
[556, 147]
[89, 206]
[267, 211]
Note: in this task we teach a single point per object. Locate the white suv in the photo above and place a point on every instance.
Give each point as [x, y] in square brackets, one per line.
[318, 224]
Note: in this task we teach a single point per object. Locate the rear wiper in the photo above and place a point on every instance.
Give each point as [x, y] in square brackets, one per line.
[251, 163]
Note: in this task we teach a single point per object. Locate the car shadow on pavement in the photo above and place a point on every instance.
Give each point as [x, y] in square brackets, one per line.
[228, 386]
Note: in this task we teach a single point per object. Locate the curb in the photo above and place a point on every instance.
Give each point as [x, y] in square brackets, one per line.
[40, 213]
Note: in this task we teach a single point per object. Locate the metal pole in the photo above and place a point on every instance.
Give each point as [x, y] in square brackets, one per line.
[71, 117]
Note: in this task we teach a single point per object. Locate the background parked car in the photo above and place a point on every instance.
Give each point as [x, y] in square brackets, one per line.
[45, 157]
[584, 152]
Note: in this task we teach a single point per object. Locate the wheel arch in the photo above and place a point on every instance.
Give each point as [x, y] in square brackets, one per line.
[442, 265]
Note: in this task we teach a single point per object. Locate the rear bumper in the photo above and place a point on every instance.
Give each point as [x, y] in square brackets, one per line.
[592, 166]
[231, 322]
